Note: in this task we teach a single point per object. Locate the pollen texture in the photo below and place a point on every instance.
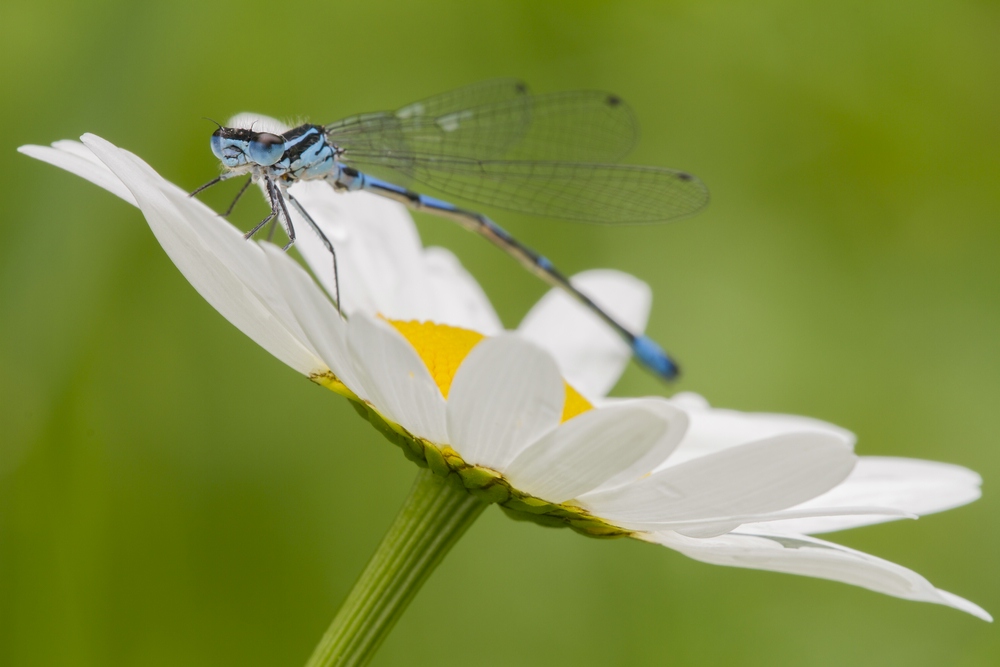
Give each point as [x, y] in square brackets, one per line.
[442, 349]
[575, 403]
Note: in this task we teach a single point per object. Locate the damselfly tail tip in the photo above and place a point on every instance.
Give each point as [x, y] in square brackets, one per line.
[652, 356]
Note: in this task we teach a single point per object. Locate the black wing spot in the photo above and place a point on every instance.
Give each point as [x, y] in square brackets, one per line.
[684, 176]
[613, 100]
[521, 87]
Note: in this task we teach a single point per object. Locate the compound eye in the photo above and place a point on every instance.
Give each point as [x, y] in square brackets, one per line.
[265, 148]
[217, 144]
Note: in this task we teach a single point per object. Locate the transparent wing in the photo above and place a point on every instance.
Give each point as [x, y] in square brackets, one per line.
[582, 192]
[393, 131]
[496, 120]
[493, 143]
[479, 94]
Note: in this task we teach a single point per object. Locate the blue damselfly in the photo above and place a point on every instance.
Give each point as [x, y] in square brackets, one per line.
[490, 143]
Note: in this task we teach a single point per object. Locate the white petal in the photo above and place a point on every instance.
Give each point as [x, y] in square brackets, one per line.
[911, 486]
[807, 556]
[456, 297]
[395, 379]
[759, 477]
[690, 400]
[320, 321]
[722, 525]
[77, 159]
[379, 256]
[714, 429]
[506, 395]
[231, 274]
[602, 447]
[663, 449]
[590, 355]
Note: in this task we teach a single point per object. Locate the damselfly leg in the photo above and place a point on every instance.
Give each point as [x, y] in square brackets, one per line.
[237, 197]
[276, 195]
[269, 217]
[215, 181]
[286, 219]
[326, 242]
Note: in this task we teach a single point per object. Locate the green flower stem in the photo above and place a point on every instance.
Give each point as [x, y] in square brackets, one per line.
[434, 516]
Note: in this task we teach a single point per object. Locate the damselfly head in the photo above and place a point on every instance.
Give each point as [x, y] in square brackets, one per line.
[241, 147]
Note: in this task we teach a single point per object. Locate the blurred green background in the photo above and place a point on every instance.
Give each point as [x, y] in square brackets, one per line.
[172, 495]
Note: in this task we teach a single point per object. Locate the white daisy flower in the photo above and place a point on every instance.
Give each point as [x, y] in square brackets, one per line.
[497, 415]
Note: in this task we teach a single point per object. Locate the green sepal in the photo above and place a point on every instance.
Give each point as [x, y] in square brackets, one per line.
[597, 528]
[456, 480]
[539, 519]
[530, 505]
[476, 477]
[497, 493]
[452, 458]
[413, 456]
[360, 408]
[435, 460]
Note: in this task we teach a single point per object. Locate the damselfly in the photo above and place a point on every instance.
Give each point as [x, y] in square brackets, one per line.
[490, 143]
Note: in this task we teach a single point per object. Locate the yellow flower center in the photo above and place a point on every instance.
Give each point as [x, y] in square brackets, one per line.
[443, 348]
